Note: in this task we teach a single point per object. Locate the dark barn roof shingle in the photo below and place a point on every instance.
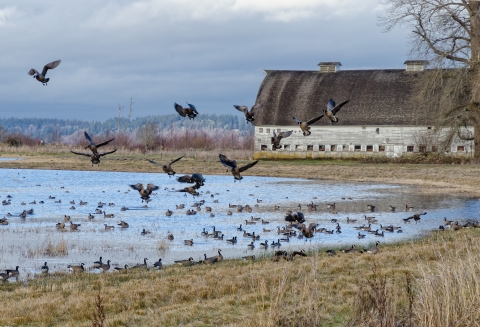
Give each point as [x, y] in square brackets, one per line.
[377, 97]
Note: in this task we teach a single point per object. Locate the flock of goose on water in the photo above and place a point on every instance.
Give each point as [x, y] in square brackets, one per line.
[297, 223]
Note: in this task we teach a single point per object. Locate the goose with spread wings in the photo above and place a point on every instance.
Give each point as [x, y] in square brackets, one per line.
[94, 157]
[191, 189]
[232, 164]
[249, 115]
[332, 110]
[41, 77]
[277, 138]
[191, 111]
[305, 125]
[168, 167]
[145, 192]
[92, 146]
[195, 178]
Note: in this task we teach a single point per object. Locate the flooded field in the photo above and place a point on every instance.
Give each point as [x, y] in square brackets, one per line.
[29, 242]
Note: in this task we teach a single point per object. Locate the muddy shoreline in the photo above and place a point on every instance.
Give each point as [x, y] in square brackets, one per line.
[429, 177]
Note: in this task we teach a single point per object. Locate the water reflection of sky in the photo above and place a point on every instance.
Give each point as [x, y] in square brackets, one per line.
[22, 239]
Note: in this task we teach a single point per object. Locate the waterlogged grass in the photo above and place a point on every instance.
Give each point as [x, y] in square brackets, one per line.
[409, 284]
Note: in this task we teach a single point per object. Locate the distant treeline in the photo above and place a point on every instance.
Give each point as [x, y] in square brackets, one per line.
[48, 128]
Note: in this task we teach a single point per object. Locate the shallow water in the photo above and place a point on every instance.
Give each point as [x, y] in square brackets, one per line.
[23, 241]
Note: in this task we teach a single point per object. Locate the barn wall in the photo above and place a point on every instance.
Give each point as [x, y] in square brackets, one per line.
[355, 142]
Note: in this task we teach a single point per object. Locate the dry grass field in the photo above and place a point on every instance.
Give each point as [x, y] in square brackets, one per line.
[431, 281]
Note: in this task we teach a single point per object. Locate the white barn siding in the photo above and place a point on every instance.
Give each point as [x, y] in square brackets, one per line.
[353, 142]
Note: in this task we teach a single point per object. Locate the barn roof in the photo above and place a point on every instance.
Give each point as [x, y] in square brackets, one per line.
[377, 97]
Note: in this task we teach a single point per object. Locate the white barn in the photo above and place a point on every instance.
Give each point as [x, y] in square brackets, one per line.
[381, 118]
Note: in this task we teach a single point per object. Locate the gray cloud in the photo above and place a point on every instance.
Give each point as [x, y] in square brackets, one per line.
[210, 53]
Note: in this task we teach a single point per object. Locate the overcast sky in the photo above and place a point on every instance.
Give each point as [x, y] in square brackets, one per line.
[211, 53]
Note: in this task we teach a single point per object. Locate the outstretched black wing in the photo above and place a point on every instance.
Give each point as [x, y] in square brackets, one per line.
[105, 153]
[180, 109]
[339, 106]
[284, 134]
[154, 162]
[177, 159]
[185, 179]
[313, 120]
[51, 65]
[250, 165]
[105, 143]
[89, 139]
[81, 154]
[227, 162]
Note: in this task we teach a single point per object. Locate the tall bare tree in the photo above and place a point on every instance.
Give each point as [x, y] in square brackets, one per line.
[446, 32]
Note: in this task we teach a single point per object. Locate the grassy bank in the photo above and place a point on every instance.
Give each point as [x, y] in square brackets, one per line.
[428, 282]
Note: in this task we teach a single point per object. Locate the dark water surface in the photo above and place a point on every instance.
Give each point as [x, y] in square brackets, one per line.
[24, 241]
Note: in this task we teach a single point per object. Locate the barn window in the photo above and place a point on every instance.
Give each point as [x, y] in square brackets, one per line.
[268, 130]
[260, 130]
[286, 146]
[263, 147]
[333, 148]
[321, 148]
[358, 148]
[381, 148]
[460, 148]
[259, 140]
[434, 148]
[369, 148]
[410, 148]
[422, 148]
[299, 147]
[310, 147]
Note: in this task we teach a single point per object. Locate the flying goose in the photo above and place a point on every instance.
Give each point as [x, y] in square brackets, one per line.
[94, 157]
[232, 164]
[144, 192]
[92, 146]
[332, 109]
[191, 112]
[195, 178]
[192, 189]
[305, 125]
[123, 224]
[168, 167]
[277, 138]
[41, 77]
[249, 115]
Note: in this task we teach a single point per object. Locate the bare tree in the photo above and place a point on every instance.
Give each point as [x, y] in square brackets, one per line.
[447, 33]
[148, 135]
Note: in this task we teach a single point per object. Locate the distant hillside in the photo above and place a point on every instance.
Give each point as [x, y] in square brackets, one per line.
[44, 128]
